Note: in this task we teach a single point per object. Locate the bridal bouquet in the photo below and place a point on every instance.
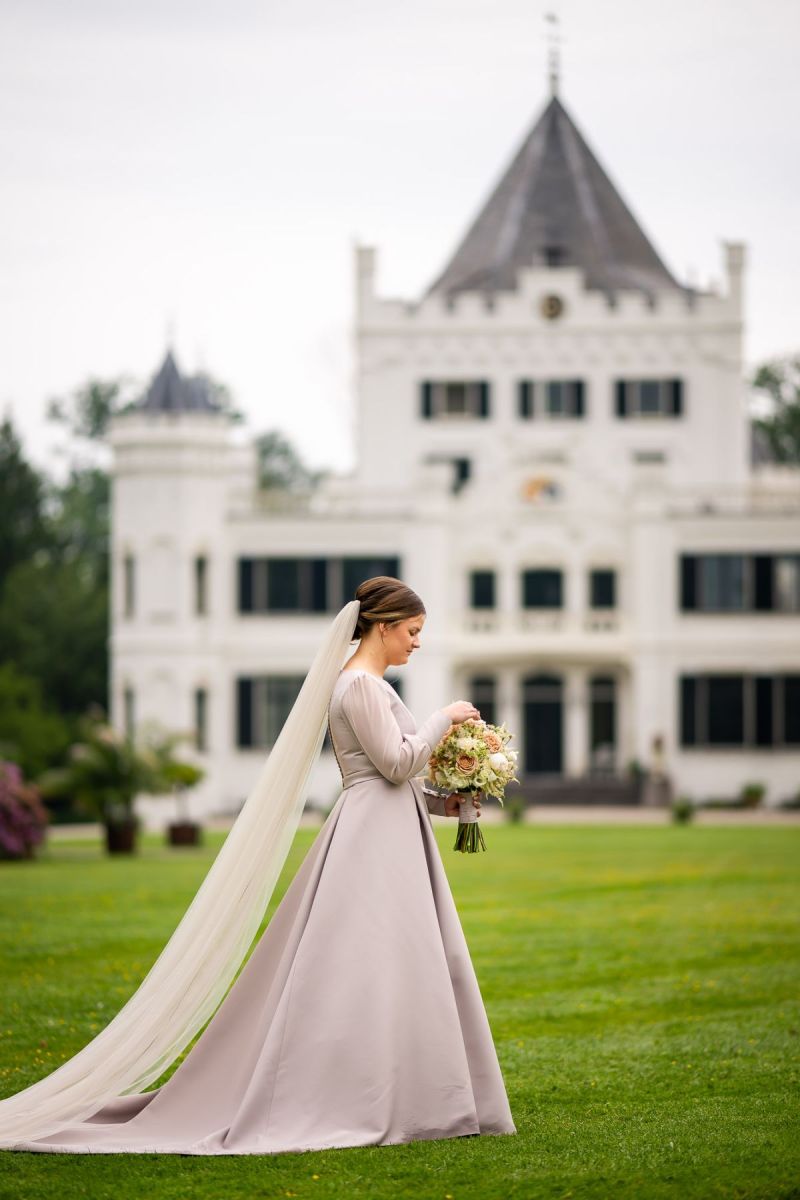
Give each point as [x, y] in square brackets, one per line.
[473, 757]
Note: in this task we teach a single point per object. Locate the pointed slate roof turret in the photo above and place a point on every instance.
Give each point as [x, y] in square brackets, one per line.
[172, 392]
[555, 206]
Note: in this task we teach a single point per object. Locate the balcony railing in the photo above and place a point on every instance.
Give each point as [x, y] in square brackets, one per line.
[538, 620]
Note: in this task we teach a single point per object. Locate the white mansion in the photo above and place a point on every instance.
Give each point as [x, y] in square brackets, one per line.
[554, 451]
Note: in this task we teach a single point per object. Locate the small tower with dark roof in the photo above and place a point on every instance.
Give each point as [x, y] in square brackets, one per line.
[174, 476]
[171, 392]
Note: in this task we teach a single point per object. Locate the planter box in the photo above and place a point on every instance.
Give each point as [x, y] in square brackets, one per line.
[184, 833]
[121, 837]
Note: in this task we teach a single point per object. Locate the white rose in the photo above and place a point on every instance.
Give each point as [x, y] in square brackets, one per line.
[466, 743]
[498, 761]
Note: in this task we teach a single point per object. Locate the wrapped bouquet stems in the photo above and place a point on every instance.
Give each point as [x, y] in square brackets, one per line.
[469, 837]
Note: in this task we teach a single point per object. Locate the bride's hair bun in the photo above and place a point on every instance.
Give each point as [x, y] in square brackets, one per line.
[385, 599]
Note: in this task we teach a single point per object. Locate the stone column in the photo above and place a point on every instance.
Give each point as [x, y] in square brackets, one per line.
[576, 722]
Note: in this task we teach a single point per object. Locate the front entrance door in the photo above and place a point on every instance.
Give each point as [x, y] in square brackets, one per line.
[543, 706]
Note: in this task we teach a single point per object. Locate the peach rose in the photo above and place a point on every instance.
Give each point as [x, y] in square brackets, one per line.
[492, 741]
[467, 764]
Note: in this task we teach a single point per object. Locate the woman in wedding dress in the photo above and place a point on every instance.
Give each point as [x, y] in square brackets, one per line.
[357, 1019]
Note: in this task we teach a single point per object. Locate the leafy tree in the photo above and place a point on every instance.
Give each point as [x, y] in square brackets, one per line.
[87, 410]
[280, 466]
[221, 394]
[23, 529]
[30, 734]
[779, 381]
[53, 627]
[80, 522]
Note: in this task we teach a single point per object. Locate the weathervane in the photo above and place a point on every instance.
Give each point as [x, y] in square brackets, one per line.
[553, 61]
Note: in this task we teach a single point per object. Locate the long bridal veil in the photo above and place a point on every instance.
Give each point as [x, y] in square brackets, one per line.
[190, 977]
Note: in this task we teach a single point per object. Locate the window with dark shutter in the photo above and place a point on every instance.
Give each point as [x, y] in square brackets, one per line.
[201, 585]
[740, 710]
[725, 710]
[525, 395]
[482, 691]
[688, 719]
[463, 468]
[602, 588]
[555, 398]
[602, 717]
[763, 571]
[283, 585]
[677, 397]
[791, 710]
[201, 719]
[765, 715]
[245, 585]
[482, 589]
[542, 588]
[426, 398]
[483, 401]
[244, 712]
[319, 584]
[620, 392]
[579, 398]
[688, 582]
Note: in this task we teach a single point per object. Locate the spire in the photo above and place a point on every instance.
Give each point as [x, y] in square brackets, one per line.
[553, 56]
[555, 206]
[172, 392]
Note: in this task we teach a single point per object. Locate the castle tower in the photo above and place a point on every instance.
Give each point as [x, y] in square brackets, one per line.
[172, 474]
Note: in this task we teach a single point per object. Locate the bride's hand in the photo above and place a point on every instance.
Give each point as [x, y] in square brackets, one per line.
[452, 804]
[461, 710]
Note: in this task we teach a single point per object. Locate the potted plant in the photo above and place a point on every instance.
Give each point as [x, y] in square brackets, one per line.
[23, 817]
[105, 772]
[752, 794]
[515, 809]
[682, 810]
[175, 776]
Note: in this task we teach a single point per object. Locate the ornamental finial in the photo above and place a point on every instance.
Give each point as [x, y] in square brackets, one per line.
[553, 57]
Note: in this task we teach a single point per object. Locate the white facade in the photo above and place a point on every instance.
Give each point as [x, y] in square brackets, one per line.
[624, 494]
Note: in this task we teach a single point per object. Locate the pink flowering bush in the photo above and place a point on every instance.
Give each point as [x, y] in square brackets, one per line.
[23, 817]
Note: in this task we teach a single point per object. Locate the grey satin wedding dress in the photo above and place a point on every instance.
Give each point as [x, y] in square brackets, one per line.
[357, 1020]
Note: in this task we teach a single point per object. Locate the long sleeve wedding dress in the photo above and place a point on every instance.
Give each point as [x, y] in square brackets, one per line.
[357, 1019]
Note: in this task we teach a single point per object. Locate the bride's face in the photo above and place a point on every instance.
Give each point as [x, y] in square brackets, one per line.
[402, 639]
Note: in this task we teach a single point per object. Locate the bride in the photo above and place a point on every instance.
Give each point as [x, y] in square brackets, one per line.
[357, 1020]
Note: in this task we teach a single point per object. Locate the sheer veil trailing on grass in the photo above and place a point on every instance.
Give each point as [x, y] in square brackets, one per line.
[190, 977]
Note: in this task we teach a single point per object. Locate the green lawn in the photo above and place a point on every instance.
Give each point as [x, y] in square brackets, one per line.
[641, 984]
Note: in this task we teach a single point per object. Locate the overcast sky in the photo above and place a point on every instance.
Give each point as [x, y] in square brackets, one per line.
[204, 167]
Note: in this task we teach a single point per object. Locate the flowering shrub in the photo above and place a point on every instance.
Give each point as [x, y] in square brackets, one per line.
[23, 817]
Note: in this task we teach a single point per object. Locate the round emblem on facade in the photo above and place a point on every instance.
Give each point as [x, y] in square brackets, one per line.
[551, 307]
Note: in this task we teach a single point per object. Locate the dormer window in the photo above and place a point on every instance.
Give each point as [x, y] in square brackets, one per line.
[554, 256]
[551, 398]
[649, 397]
[454, 398]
